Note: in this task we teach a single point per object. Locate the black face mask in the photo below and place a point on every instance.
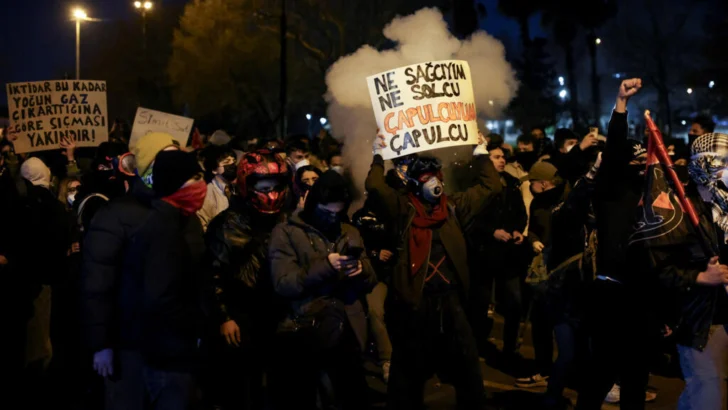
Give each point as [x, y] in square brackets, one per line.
[325, 219]
[527, 159]
[230, 172]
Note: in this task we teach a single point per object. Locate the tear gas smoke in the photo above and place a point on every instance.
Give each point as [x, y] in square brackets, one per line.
[420, 37]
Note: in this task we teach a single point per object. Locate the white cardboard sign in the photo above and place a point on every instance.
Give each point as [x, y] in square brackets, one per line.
[424, 106]
[147, 121]
[43, 113]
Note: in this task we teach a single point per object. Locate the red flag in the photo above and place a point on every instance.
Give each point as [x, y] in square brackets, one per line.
[196, 139]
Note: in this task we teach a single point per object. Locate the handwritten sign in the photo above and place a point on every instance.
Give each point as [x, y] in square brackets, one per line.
[44, 113]
[148, 121]
[424, 106]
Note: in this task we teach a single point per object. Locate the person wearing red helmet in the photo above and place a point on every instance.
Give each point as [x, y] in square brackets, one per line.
[237, 247]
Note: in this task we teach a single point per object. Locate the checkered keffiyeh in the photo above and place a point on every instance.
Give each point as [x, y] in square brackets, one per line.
[709, 157]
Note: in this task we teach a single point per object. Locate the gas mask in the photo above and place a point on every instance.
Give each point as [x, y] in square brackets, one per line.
[432, 190]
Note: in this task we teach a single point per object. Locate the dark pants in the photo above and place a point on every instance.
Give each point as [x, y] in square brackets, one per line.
[620, 330]
[570, 344]
[542, 333]
[136, 386]
[509, 304]
[235, 376]
[295, 381]
[435, 337]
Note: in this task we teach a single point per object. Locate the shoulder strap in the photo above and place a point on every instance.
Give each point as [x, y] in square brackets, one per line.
[82, 205]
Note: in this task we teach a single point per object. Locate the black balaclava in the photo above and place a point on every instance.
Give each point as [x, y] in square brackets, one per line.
[330, 187]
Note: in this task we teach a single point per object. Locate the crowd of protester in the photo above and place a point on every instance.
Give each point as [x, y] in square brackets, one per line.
[152, 275]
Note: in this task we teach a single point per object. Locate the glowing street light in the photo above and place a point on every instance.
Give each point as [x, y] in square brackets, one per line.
[138, 4]
[490, 102]
[562, 94]
[148, 5]
[711, 84]
[561, 81]
[323, 121]
[598, 41]
[683, 122]
[690, 90]
[308, 117]
[78, 15]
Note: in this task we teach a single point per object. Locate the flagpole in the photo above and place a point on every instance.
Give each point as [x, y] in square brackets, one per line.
[659, 145]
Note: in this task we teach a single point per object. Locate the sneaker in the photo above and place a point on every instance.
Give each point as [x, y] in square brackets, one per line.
[385, 371]
[534, 381]
[613, 395]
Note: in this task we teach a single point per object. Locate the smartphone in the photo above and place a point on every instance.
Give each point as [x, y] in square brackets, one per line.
[594, 130]
[353, 251]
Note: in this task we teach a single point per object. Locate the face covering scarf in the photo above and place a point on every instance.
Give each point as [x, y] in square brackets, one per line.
[710, 157]
[188, 199]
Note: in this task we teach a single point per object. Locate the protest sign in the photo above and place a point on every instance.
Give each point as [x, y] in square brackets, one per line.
[424, 106]
[148, 121]
[44, 113]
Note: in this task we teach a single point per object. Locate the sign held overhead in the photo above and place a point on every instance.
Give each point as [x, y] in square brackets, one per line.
[424, 107]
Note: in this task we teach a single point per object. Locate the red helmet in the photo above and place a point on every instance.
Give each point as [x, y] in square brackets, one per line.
[263, 165]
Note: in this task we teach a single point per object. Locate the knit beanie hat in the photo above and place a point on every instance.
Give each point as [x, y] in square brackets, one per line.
[36, 172]
[220, 137]
[172, 169]
[147, 148]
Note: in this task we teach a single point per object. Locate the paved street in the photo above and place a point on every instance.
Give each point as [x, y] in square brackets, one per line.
[507, 396]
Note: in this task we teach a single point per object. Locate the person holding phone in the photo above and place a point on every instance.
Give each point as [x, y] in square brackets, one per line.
[319, 266]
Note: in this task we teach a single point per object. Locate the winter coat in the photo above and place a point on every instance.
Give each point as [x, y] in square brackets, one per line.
[464, 207]
[303, 275]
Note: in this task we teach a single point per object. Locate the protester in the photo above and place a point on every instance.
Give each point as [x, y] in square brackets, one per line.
[221, 170]
[163, 311]
[245, 311]
[495, 242]
[429, 290]
[318, 265]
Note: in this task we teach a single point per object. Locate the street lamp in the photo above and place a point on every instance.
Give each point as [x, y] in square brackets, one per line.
[562, 94]
[690, 90]
[711, 84]
[598, 41]
[561, 81]
[143, 8]
[78, 15]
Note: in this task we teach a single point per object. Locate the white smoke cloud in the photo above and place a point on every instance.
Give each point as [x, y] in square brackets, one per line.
[420, 37]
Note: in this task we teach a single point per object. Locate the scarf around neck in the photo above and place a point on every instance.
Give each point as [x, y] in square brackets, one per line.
[420, 237]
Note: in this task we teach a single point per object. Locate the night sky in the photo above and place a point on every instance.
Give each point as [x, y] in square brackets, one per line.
[38, 36]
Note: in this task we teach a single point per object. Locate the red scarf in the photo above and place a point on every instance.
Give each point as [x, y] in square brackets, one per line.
[421, 230]
[188, 199]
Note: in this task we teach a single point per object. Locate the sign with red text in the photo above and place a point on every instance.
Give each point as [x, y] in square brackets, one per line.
[44, 113]
[424, 106]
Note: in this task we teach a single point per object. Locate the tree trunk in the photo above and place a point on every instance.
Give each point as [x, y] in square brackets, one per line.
[284, 70]
[596, 95]
[571, 80]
